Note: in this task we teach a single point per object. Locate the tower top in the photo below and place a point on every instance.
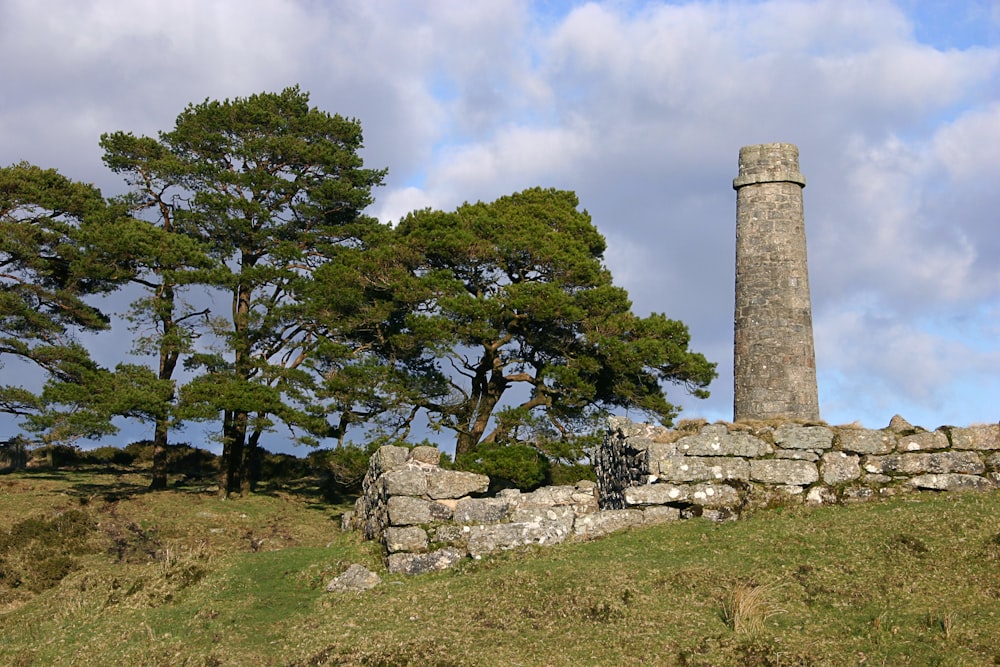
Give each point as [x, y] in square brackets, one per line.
[769, 163]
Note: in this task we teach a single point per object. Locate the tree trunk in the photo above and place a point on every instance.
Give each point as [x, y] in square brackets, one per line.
[234, 432]
[252, 462]
[168, 362]
[159, 480]
[488, 387]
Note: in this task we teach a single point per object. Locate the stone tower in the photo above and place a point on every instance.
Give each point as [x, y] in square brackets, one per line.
[775, 364]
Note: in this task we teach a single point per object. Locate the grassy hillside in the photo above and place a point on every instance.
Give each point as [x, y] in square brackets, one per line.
[96, 571]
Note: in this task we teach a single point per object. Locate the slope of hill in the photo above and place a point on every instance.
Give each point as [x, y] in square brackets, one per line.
[94, 570]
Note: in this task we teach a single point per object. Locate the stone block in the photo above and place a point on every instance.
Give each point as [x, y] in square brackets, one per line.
[821, 495]
[427, 455]
[451, 534]
[796, 454]
[993, 461]
[863, 441]
[503, 536]
[656, 494]
[857, 494]
[386, 458]
[984, 437]
[605, 522]
[538, 514]
[951, 482]
[784, 471]
[915, 463]
[441, 511]
[481, 510]
[716, 441]
[708, 495]
[656, 514]
[442, 559]
[702, 468]
[455, 483]
[920, 442]
[838, 467]
[408, 511]
[549, 496]
[657, 452]
[405, 482]
[405, 538]
[795, 436]
[719, 514]
[356, 579]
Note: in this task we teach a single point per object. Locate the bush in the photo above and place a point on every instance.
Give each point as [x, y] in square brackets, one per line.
[282, 467]
[508, 466]
[56, 456]
[183, 459]
[570, 473]
[110, 455]
[36, 553]
[341, 470]
[141, 452]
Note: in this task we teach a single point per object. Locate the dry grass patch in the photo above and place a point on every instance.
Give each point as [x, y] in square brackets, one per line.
[748, 607]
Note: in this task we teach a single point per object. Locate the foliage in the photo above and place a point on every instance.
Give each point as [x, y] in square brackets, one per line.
[274, 188]
[563, 474]
[341, 469]
[163, 262]
[515, 293]
[108, 454]
[515, 466]
[498, 322]
[46, 272]
[37, 553]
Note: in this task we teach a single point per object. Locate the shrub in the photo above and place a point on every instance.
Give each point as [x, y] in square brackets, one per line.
[341, 470]
[516, 465]
[183, 459]
[36, 553]
[56, 456]
[282, 466]
[109, 454]
[571, 473]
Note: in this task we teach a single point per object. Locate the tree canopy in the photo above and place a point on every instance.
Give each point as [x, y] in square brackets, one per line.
[274, 187]
[516, 294]
[45, 275]
[498, 322]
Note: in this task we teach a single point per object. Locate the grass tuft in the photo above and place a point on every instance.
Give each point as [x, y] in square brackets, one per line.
[749, 606]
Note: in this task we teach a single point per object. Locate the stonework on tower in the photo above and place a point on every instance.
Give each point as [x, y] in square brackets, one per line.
[774, 359]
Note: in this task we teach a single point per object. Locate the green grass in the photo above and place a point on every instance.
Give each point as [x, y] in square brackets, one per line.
[183, 578]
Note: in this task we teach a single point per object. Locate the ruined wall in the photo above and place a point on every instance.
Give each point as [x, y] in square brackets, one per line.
[429, 518]
[720, 470]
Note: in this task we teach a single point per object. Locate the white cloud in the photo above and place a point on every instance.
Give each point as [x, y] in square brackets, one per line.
[640, 107]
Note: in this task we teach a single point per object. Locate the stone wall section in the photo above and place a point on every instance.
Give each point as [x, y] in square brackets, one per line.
[720, 470]
[429, 518]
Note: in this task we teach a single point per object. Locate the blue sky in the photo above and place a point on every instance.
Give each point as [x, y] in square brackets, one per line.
[641, 109]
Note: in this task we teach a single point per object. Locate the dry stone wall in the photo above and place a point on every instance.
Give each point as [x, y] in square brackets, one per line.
[429, 518]
[720, 470]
